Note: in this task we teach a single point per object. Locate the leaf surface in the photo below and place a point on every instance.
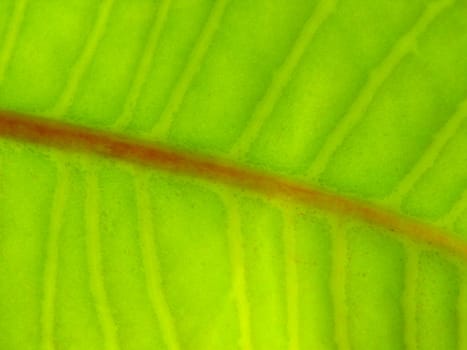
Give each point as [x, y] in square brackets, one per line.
[365, 101]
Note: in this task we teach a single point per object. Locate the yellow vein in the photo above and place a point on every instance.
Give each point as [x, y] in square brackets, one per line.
[237, 258]
[151, 266]
[97, 285]
[11, 36]
[83, 140]
[291, 277]
[427, 159]
[409, 301]
[376, 79]
[456, 211]
[143, 67]
[338, 286]
[50, 268]
[84, 59]
[430, 155]
[462, 310]
[265, 107]
[395, 198]
[162, 126]
[95, 264]
[449, 221]
[146, 228]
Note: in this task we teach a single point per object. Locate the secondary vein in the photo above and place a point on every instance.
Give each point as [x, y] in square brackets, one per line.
[11, 36]
[51, 263]
[266, 105]
[164, 123]
[74, 138]
[98, 290]
[237, 261]
[151, 266]
[376, 79]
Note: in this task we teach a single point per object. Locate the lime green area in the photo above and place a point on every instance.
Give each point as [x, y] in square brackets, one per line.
[105, 85]
[181, 29]
[332, 73]
[440, 188]
[27, 177]
[230, 82]
[193, 253]
[76, 311]
[36, 71]
[264, 256]
[313, 262]
[438, 291]
[5, 14]
[376, 282]
[364, 98]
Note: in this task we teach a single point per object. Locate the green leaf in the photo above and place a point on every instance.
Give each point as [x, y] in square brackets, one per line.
[283, 175]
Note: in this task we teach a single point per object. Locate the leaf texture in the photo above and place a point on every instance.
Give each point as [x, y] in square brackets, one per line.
[366, 100]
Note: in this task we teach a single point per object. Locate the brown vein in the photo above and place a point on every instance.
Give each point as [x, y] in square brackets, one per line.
[93, 245]
[448, 221]
[74, 138]
[146, 230]
[428, 158]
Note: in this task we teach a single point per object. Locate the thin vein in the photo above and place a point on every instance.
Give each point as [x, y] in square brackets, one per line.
[143, 67]
[50, 268]
[459, 207]
[376, 79]
[339, 286]
[411, 267]
[152, 271]
[291, 277]
[462, 310]
[162, 126]
[73, 138]
[428, 158]
[11, 36]
[93, 244]
[280, 80]
[84, 60]
[151, 266]
[409, 301]
[98, 291]
[237, 259]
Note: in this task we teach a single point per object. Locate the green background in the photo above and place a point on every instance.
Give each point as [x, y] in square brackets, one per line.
[367, 99]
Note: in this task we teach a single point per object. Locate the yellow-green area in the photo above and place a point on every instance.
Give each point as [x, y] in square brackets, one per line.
[364, 98]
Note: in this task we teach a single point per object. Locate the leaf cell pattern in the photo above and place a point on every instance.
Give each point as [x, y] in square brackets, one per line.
[366, 99]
